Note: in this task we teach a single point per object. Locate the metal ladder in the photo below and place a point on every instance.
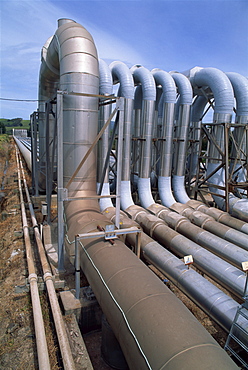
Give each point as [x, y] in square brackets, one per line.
[241, 311]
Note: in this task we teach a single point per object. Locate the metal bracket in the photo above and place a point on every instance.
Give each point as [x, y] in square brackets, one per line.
[62, 194]
[110, 232]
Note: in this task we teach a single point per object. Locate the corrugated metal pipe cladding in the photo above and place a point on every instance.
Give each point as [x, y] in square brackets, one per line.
[155, 330]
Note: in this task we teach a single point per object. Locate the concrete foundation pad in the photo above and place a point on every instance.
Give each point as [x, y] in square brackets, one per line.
[86, 309]
[78, 348]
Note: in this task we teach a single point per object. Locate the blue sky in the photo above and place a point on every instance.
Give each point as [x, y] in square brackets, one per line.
[172, 35]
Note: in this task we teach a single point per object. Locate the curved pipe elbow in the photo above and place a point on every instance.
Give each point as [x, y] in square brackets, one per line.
[145, 194]
[240, 87]
[179, 189]
[165, 192]
[220, 86]
[144, 77]
[105, 80]
[126, 197]
[184, 88]
[122, 74]
[104, 202]
[168, 85]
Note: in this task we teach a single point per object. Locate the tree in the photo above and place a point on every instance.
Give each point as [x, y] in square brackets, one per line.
[2, 128]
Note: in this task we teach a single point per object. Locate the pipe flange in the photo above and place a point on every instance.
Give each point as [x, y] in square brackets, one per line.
[47, 276]
[32, 277]
[179, 222]
[156, 224]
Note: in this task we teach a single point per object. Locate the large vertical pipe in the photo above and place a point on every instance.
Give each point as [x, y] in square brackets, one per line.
[240, 88]
[122, 74]
[224, 101]
[196, 117]
[169, 99]
[137, 131]
[144, 77]
[105, 88]
[185, 101]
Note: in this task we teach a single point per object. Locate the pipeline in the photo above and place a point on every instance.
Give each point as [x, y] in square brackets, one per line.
[184, 104]
[105, 88]
[229, 251]
[169, 99]
[220, 307]
[144, 77]
[208, 223]
[220, 216]
[40, 335]
[65, 349]
[125, 288]
[223, 93]
[122, 74]
[225, 274]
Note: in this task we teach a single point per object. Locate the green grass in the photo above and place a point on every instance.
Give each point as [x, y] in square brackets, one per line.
[9, 127]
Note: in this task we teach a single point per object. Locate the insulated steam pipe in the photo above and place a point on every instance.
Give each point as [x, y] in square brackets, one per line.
[220, 216]
[240, 87]
[105, 88]
[144, 77]
[223, 93]
[229, 251]
[224, 102]
[169, 99]
[25, 152]
[121, 282]
[208, 223]
[122, 74]
[196, 117]
[186, 94]
[137, 130]
[207, 296]
[225, 274]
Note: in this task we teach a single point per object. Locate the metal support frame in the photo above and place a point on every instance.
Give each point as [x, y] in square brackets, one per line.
[201, 184]
[242, 311]
[109, 234]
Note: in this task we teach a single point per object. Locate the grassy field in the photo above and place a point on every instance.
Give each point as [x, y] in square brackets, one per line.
[7, 123]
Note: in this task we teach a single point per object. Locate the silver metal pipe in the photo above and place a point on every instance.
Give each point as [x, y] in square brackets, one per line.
[25, 152]
[207, 296]
[240, 88]
[220, 216]
[110, 269]
[144, 77]
[185, 91]
[169, 99]
[224, 102]
[122, 74]
[196, 116]
[208, 223]
[105, 88]
[226, 250]
[137, 130]
[221, 271]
